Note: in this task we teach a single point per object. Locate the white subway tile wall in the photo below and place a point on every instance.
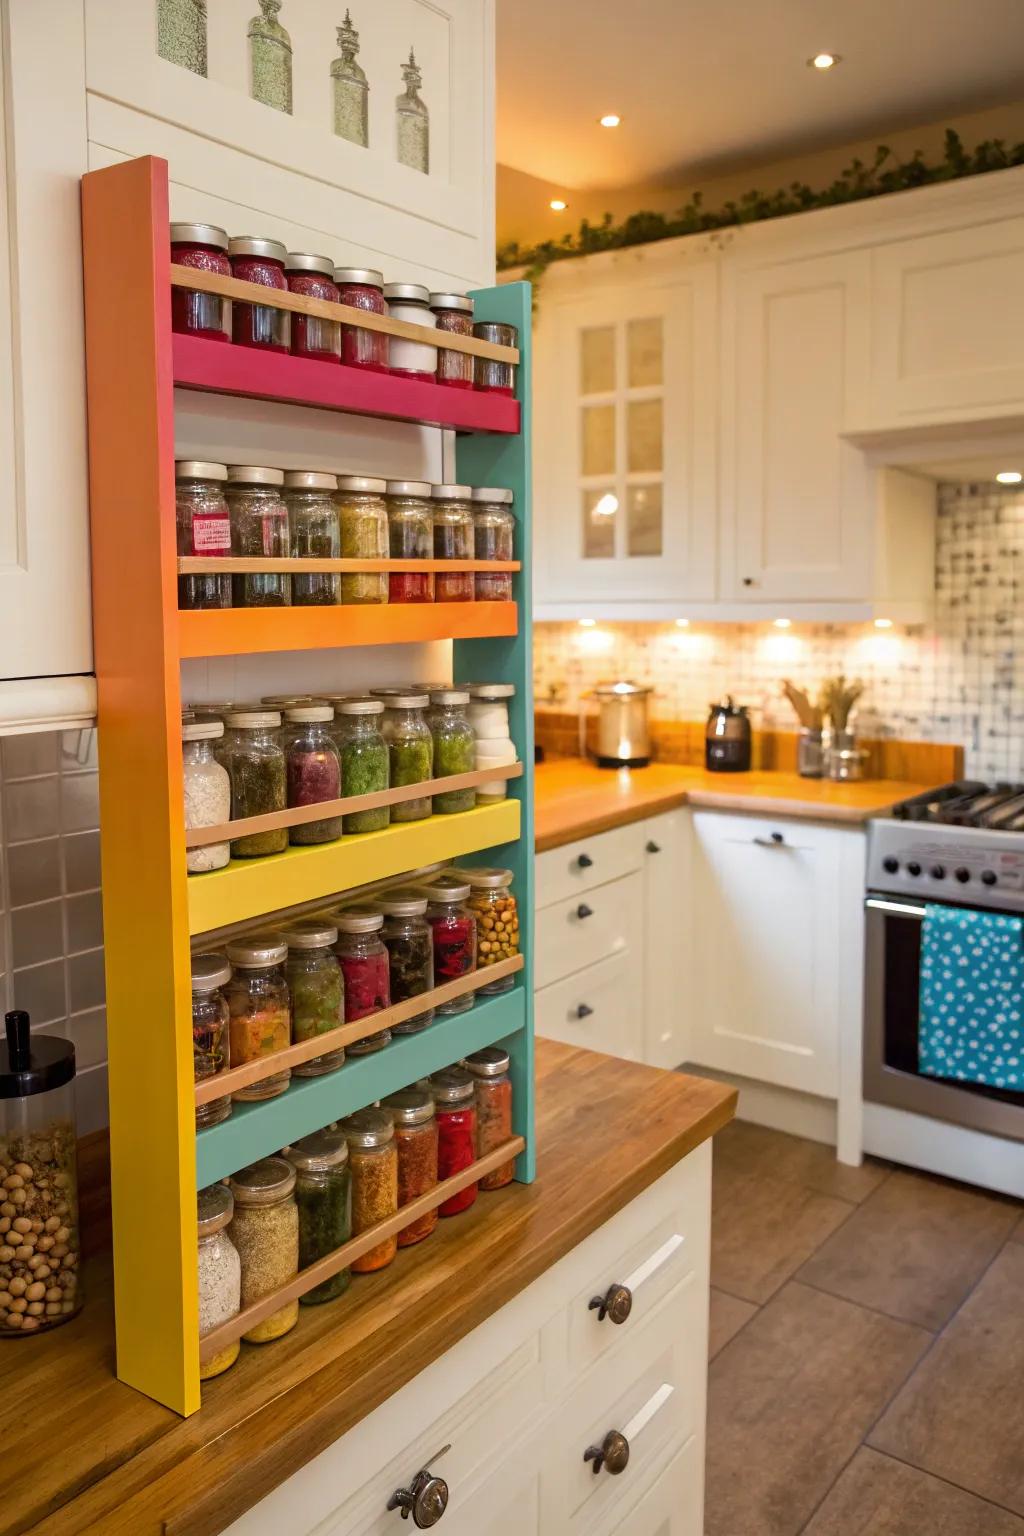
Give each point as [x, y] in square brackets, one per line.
[960, 679]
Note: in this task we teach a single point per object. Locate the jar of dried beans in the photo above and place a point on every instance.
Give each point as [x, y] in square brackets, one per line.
[313, 769]
[411, 302]
[261, 1021]
[205, 247]
[490, 1070]
[453, 540]
[312, 336]
[454, 748]
[410, 750]
[256, 767]
[454, 314]
[323, 1193]
[453, 927]
[412, 1111]
[488, 374]
[494, 528]
[256, 260]
[497, 918]
[373, 1159]
[210, 1031]
[220, 1274]
[207, 792]
[364, 536]
[364, 965]
[265, 1230]
[365, 767]
[362, 288]
[455, 1106]
[315, 534]
[406, 936]
[259, 530]
[410, 537]
[204, 530]
[317, 991]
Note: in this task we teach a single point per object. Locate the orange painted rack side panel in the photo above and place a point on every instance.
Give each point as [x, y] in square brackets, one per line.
[245, 631]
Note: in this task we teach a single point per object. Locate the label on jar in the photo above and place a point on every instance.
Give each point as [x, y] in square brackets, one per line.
[211, 535]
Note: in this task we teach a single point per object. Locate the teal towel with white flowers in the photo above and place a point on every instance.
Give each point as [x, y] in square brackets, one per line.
[971, 1023]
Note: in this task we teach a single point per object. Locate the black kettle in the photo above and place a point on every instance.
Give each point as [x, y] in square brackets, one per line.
[727, 738]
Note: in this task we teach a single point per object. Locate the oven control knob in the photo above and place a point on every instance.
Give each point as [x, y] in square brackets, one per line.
[938, 871]
[913, 868]
[963, 875]
[890, 865]
[989, 877]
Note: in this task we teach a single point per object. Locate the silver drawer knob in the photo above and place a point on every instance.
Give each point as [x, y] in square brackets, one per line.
[426, 1499]
[616, 1304]
[612, 1454]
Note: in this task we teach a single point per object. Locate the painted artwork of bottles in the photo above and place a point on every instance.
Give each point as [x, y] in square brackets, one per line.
[181, 33]
[270, 58]
[350, 88]
[413, 120]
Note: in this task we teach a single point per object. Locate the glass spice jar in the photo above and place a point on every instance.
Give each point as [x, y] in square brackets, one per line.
[497, 919]
[220, 1274]
[412, 1111]
[312, 336]
[364, 761]
[205, 247]
[454, 1103]
[364, 965]
[313, 770]
[315, 535]
[257, 260]
[453, 313]
[323, 1194]
[260, 1008]
[364, 536]
[494, 528]
[203, 529]
[411, 302]
[362, 288]
[453, 540]
[211, 1020]
[373, 1159]
[259, 530]
[497, 378]
[265, 1230]
[454, 748]
[410, 537]
[410, 750]
[207, 792]
[256, 766]
[406, 936]
[453, 927]
[493, 1088]
[316, 988]
[488, 710]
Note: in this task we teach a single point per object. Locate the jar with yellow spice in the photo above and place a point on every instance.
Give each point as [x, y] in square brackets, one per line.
[373, 1159]
[497, 921]
[260, 1008]
[265, 1230]
[363, 515]
[220, 1274]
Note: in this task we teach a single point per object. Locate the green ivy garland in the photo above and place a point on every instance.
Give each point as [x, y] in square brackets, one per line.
[856, 182]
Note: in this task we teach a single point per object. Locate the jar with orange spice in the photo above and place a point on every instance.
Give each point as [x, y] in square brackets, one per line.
[373, 1160]
[260, 1007]
[416, 1139]
[493, 1092]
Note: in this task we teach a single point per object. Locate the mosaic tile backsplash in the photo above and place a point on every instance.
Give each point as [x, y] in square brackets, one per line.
[959, 680]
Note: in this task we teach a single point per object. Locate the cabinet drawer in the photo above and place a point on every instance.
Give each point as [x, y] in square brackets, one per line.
[561, 872]
[592, 926]
[599, 1008]
[674, 1506]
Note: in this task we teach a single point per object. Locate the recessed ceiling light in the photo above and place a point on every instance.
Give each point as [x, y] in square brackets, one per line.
[782, 623]
[610, 120]
[824, 61]
[586, 623]
[883, 623]
[1009, 477]
[558, 204]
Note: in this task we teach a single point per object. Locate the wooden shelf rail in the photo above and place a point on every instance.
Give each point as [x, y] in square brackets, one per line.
[219, 1338]
[266, 565]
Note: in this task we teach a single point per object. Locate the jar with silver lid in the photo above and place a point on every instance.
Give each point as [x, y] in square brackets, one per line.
[211, 1054]
[312, 336]
[315, 534]
[412, 1111]
[410, 750]
[497, 378]
[411, 302]
[323, 1194]
[206, 315]
[497, 918]
[256, 766]
[255, 259]
[364, 965]
[313, 769]
[454, 748]
[265, 1230]
[259, 530]
[260, 1007]
[454, 934]
[373, 1159]
[454, 314]
[494, 527]
[493, 1090]
[363, 288]
[316, 991]
[207, 792]
[407, 939]
[454, 1100]
[410, 537]
[203, 529]
[365, 768]
[220, 1274]
[453, 540]
[363, 517]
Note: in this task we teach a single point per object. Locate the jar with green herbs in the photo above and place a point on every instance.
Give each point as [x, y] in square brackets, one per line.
[220, 1274]
[211, 1054]
[364, 965]
[323, 1193]
[364, 536]
[204, 530]
[412, 1112]
[453, 540]
[410, 750]
[454, 932]
[314, 534]
[454, 748]
[373, 1159]
[260, 1008]
[314, 770]
[265, 1230]
[256, 767]
[494, 527]
[365, 767]
[259, 530]
[410, 537]
[317, 991]
[406, 936]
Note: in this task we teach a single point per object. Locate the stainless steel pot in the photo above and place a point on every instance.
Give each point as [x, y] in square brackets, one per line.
[623, 740]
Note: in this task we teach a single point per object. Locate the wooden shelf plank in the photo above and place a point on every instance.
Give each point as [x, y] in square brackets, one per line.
[249, 631]
[255, 565]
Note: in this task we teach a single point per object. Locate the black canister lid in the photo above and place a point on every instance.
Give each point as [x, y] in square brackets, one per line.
[33, 1063]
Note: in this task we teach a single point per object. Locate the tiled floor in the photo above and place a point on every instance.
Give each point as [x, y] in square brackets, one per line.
[867, 1349]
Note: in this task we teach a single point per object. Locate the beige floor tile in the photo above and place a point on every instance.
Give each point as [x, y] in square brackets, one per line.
[877, 1496]
[728, 1315]
[765, 1230]
[745, 1148]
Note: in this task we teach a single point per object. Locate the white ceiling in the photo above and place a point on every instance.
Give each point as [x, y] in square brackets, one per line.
[711, 85]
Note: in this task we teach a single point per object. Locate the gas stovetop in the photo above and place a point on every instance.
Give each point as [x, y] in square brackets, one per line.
[963, 844]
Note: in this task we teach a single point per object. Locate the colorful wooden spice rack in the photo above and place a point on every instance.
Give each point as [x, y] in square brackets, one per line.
[154, 914]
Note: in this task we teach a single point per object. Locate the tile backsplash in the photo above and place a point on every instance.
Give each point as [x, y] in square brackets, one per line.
[960, 679]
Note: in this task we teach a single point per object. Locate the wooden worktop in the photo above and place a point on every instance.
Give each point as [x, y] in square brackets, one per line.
[83, 1453]
[578, 799]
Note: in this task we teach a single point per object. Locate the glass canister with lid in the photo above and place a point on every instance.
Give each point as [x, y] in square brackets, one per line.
[207, 792]
[323, 1193]
[265, 1230]
[494, 528]
[40, 1286]
[256, 767]
[205, 247]
[497, 918]
[453, 927]
[260, 1009]
[313, 770]
[454, 748]
[411, 302]
[364, 964]
[211, 1020]
[489, 374]
[407, 939]
[453, 540]
[203, 529]
[410, 750]
[493, 1090]
[453, 313]
[373, 1159]
[220, 1274]
[455, 1105]
[412, 1111]
[259, 530]
[316, 990]
[488, 710]
[315, 534]
[410, 537]
[363, 288]
[255, 259]
[364, 536]
[365, 766]
[313, 336]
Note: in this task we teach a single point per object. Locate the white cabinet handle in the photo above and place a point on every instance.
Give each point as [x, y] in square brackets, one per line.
[651, 1266]
[654, 1404]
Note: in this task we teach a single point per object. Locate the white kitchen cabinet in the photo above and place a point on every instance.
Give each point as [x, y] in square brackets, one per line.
[599, 1008]
[667, 936]
[605, 921]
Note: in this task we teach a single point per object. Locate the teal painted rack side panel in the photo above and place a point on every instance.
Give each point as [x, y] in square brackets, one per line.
[506, 461]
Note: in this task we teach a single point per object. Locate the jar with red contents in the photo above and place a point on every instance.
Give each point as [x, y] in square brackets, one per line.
[454, 312]
[256, 260]
[410, 537]
[364, 965]
[313, 770]
[412, 1110]
[454, 932]
[454, 539]
[313, 277]
[493, 1089]
[362, 288]
[205, 247]
[454, 1099]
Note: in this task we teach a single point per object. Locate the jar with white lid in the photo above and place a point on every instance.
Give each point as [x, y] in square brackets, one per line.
[493, 752]
[488, 710]
[454, 748]
[260, 1006]
[313, 766]
[407, 939]
[411, 302]
[365, 762]
[265, 1230]
[259, 530]
[211, 1054]
[316, 991]
[494, 527]
[203, 529]
[363, 519]
[454, 314]
[220, 1274]
[364, 964]
[315, 534]
[410, 537]
[256, 766]
[497, 918]
[207, 792]
[453, 540]
[410, 750]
